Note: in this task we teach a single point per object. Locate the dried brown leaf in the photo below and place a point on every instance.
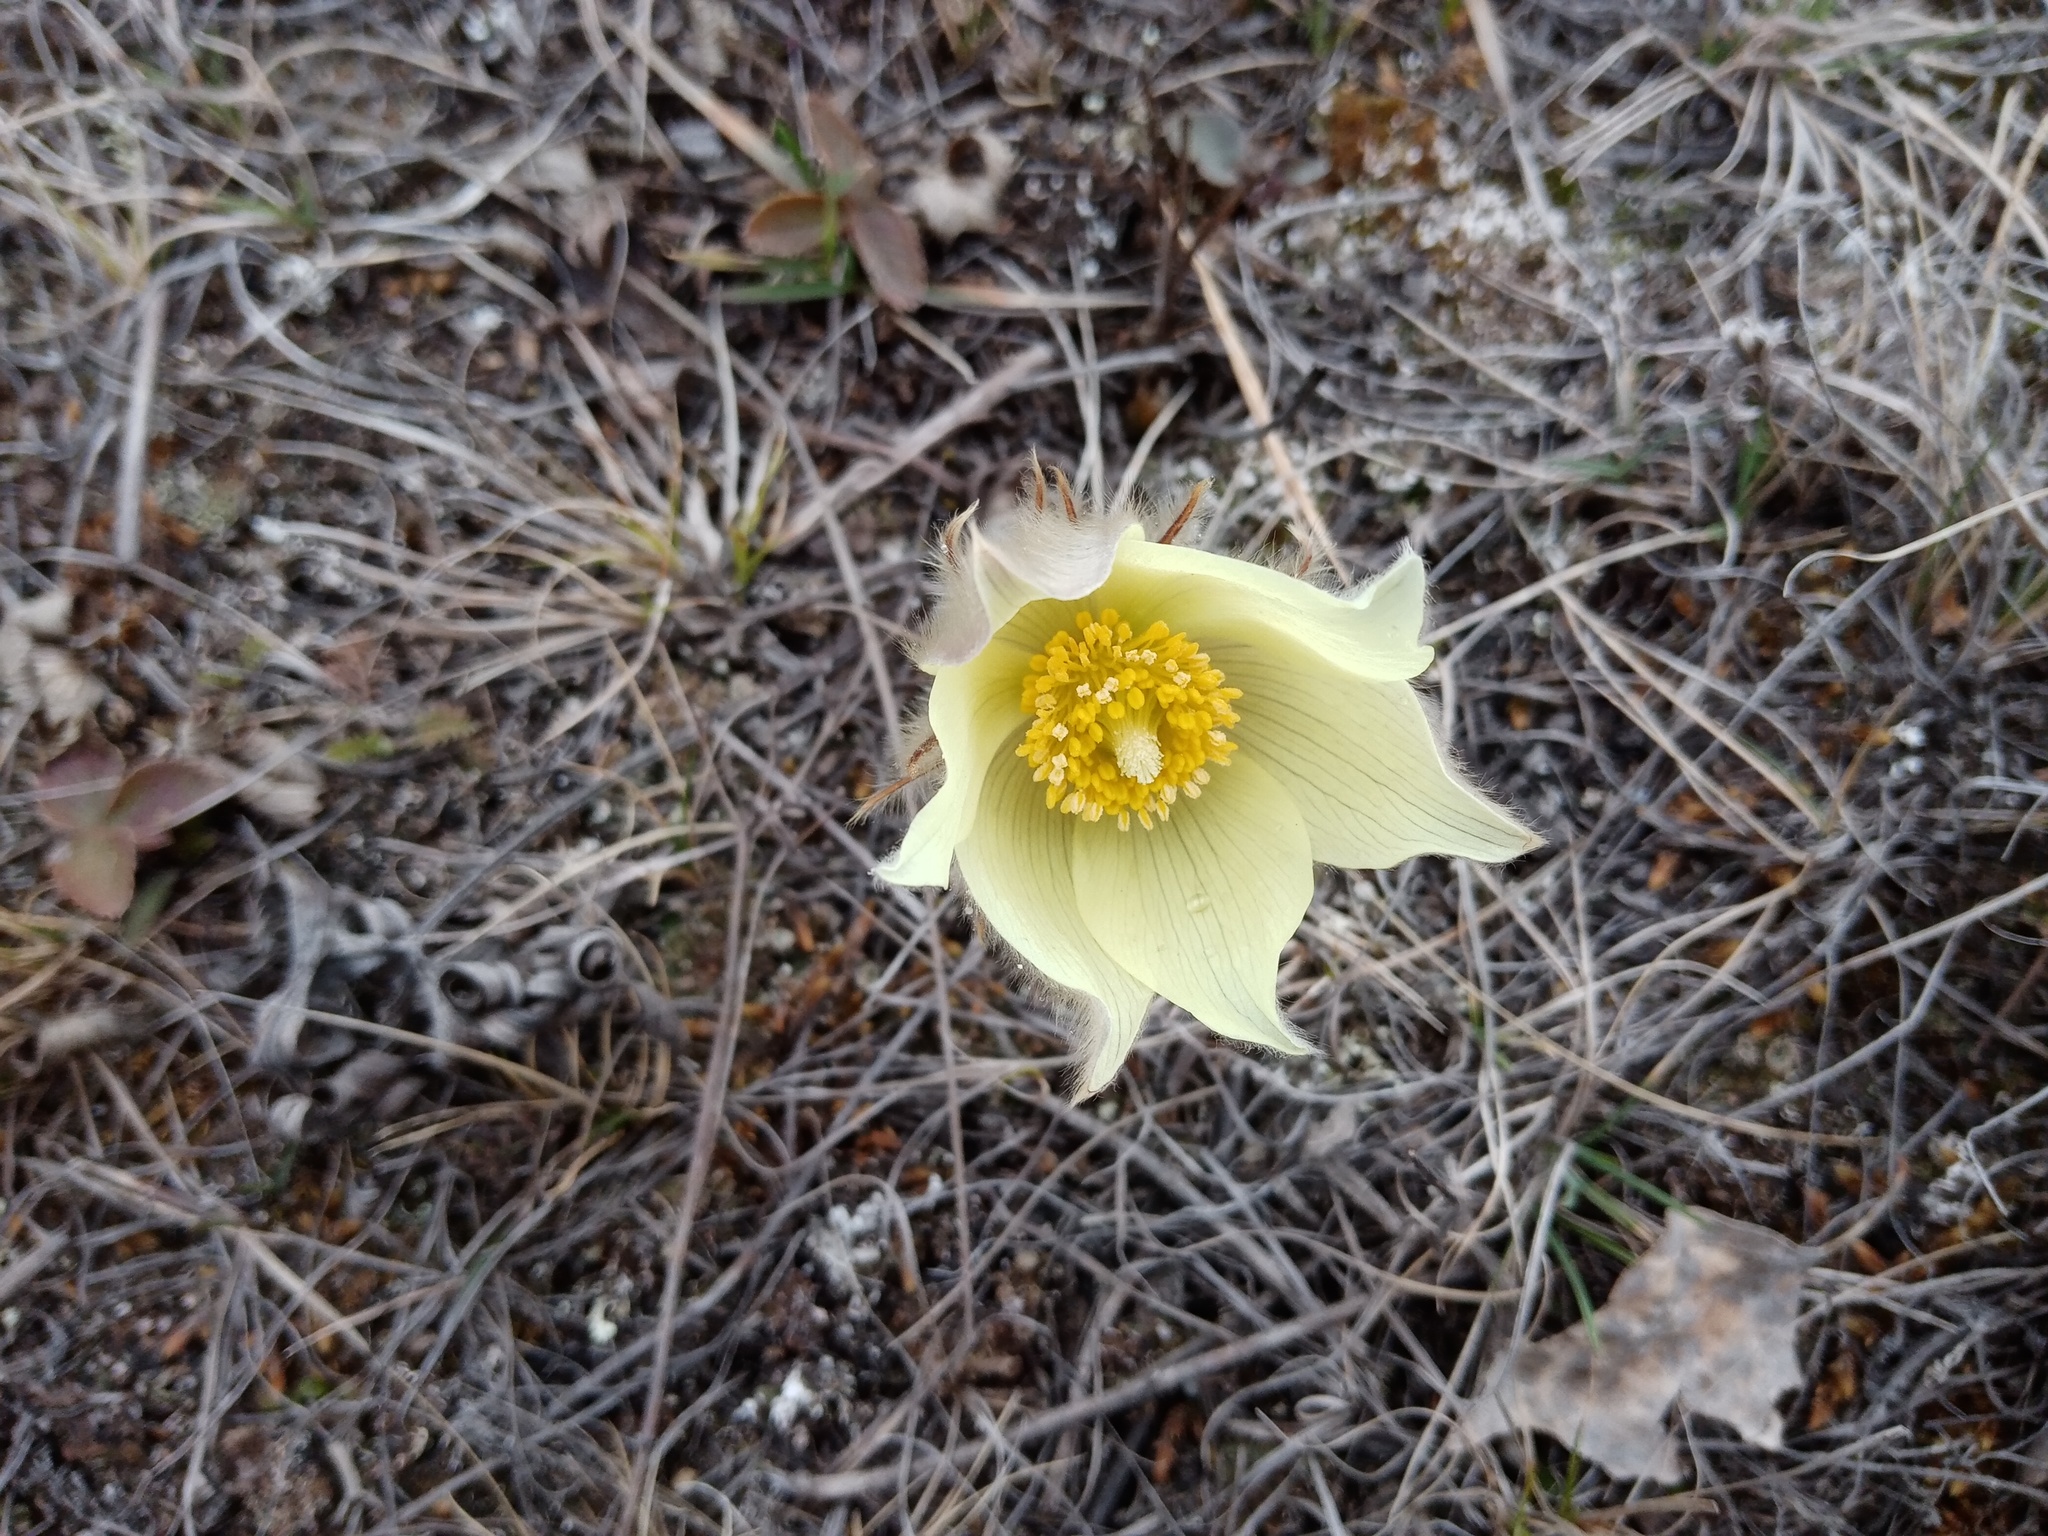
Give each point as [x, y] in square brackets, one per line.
[1213, 143]
[1836, 1389]
[352, 663]
[1707, 1319]
[1664, 869]
[557, 167]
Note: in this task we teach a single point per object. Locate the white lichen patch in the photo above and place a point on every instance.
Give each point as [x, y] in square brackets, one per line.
[849, 1245]
[815, 1391]
[793, 1403]
[1423, 227]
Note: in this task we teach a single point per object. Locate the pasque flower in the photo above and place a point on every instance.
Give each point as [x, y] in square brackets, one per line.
[1147, 748]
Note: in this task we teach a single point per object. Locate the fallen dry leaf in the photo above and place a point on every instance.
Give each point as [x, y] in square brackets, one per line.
[1184, 1423]
[1836, 1389]
[1691, 809]
[558, 167]
[1705, 1319]
[587, 206]
[1213, 144]
[1949, 614]
[1665, 869]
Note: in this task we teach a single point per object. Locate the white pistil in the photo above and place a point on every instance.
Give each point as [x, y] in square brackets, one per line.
[1137, 749]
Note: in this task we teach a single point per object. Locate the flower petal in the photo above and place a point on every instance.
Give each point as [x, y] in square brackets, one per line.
[1019, 866]
[1198, 907]
[1374, 632]
[1360, 760]
[975, 709]
[1013, 556]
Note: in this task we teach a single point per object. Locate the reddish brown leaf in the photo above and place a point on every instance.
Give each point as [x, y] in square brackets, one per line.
[993, 1368]
[1665, 869]
[78, 787]
[157, 796]
[1184, 1422]
[1691, 809]
[352, 663]
[890, 252]
[1951, 610]
[788, 224]
[95, 870]
[1836, 1388]
[840, 153]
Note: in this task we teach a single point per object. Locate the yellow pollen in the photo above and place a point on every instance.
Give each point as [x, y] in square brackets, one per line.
[1123, 724]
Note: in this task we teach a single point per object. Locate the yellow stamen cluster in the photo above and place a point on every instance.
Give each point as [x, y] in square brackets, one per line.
[1123, 723]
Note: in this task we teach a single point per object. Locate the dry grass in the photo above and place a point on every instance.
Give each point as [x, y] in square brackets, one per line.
[1700, 351]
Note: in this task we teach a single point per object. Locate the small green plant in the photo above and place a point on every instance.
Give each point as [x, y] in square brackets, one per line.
[1319, 23]
[844, 198]
[440, 725]
[1580, 1189]
[1612, 468]
[110, 814]
[304, 215]
[1577, 1281]
[748, 550]
[1544, 1491]
[1562, 186]
[1719, 47]
[1754, 462]
[363, 747]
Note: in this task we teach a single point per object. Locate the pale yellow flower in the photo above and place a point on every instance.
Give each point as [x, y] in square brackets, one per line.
[1148, 748]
